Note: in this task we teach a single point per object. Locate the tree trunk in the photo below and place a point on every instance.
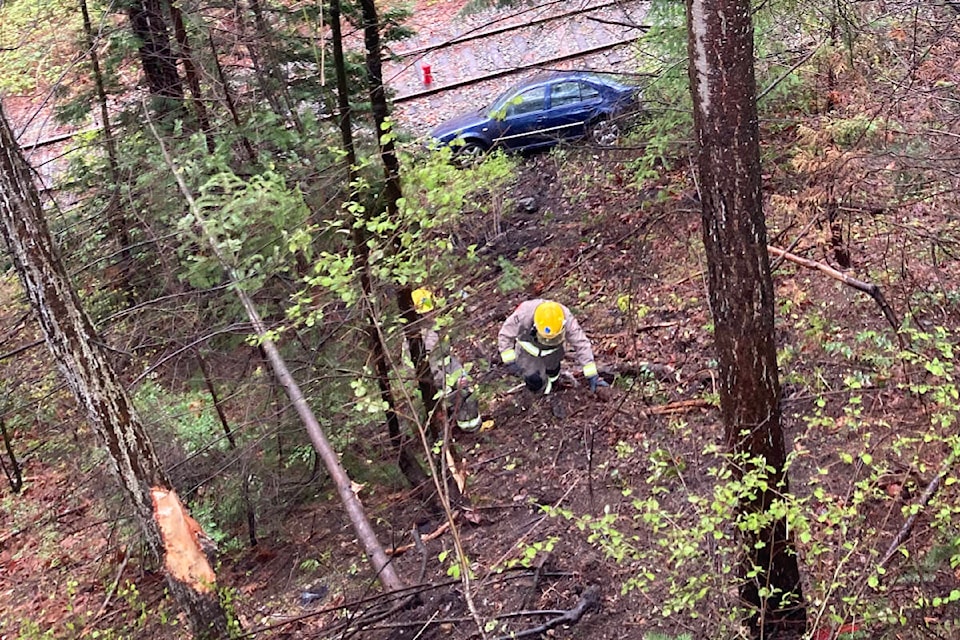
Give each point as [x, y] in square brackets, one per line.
[384, 569]
[270, 76]
[118, 222]
[229, 101]
[720, 37]
[192, 75]
[14, 474]
[232, 440]
[156, 55]
[171, 534]
[254, 44]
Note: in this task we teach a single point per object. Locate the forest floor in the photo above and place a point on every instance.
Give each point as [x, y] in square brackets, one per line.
[582, 233]
[629, 263]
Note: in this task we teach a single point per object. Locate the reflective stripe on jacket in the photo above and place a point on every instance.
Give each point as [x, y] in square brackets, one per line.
[518, 332]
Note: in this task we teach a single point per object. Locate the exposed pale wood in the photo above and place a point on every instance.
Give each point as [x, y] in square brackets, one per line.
[381, 564]
[83, 361]
[184, 559]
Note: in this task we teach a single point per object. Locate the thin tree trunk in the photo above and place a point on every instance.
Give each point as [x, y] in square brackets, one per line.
[230, 102]
[391, 197]
[224, 424]
[253, 46]
[228, 433]
[170, 533]
[118, 222]
[720, 36]
[14, 474]
[192, 75]
[273, 82]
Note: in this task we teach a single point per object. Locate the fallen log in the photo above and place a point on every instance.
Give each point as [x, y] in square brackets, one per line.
[679, 406]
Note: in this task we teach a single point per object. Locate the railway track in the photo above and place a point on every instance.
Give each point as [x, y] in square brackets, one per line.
[509, 72]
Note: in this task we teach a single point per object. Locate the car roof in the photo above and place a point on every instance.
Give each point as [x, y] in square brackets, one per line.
[549, 76]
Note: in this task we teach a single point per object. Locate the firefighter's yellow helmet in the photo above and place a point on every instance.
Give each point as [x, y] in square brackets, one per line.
[422, 300]
[549, 321]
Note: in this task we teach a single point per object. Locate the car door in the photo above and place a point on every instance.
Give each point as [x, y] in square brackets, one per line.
[573, 105]
[519, 119]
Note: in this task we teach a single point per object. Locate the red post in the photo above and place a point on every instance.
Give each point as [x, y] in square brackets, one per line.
[427, 74]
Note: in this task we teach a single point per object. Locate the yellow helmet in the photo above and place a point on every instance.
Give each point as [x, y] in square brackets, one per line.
[549, 321]
[422, 300]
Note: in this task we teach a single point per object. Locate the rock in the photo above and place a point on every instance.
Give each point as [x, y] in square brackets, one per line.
[527, 205]
[313, 594]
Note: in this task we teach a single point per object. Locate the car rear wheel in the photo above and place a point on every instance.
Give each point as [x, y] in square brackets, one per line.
[605, 133]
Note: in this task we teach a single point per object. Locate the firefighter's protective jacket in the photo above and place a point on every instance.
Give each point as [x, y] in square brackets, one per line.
[446, 368]
[452, 377]
[518, 332]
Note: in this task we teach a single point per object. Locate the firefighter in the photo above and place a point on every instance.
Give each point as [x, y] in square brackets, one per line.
[531, 343]
[448, 372]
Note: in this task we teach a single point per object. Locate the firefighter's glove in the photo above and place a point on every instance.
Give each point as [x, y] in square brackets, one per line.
[514, 369]
[596, 381]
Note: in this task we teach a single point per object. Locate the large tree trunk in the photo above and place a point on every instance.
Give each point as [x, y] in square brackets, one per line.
[741, 291]
[170, 532]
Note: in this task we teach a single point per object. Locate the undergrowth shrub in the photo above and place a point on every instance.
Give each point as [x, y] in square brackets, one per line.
[679, 531]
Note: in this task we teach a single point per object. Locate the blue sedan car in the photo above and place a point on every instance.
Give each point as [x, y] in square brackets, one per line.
[542, 112]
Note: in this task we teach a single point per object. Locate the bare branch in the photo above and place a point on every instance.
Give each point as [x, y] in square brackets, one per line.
[588, 601]
[871, 290]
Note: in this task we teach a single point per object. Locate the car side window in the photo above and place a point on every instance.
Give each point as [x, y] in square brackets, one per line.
[588, 92]
[527, 102]
[564, 93]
